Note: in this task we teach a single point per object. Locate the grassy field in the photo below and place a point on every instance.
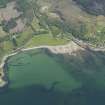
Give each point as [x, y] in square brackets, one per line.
[83, 25]
[80, 24]
[45, 39]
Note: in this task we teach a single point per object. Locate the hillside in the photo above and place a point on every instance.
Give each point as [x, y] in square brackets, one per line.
[38, 22]
[48, 44]
[83, 22]
[96, 7]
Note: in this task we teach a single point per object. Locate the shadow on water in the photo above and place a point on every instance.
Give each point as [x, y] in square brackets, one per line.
[39, 95]
[88, 68]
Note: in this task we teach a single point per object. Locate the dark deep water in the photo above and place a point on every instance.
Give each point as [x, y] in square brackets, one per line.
[39, 78]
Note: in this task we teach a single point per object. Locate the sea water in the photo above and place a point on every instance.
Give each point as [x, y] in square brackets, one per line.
[37, 78]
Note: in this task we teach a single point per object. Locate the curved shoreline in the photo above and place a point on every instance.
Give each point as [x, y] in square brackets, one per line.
[69, 48]
[2, 81]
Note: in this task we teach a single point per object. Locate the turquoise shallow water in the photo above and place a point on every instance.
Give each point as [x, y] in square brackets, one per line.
[37, 78]
[38, 69]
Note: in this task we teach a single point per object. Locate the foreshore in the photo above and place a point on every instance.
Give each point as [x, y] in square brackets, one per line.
[69, 48]
[2, 74]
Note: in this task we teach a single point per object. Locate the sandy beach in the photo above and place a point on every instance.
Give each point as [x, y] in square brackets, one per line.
[69, 48]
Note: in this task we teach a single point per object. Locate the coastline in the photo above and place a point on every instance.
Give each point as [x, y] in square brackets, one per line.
[69, 48]
[2, 65]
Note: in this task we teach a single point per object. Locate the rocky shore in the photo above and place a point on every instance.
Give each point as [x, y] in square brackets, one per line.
[71, 48]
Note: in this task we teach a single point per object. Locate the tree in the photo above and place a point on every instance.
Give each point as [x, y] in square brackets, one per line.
[14, 41]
